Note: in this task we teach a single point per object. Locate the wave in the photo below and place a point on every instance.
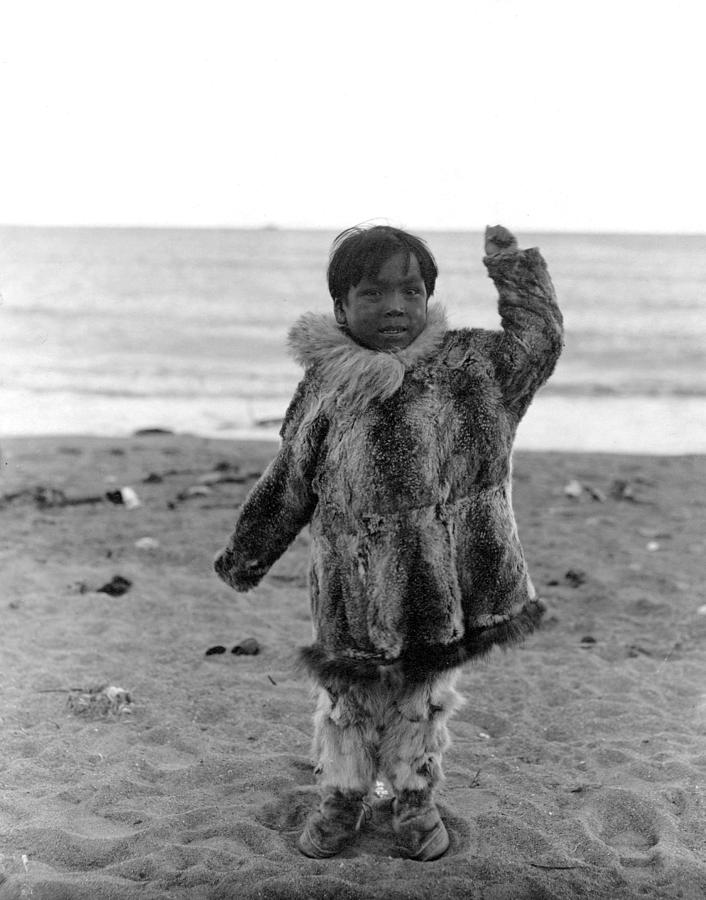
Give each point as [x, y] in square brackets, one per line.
[245, 391]
[599, 390]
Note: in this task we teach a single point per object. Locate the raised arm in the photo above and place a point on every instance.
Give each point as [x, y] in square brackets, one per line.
[282, 501]
[532, 336]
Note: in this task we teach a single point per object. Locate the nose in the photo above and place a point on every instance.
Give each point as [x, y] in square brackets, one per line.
[394, 305]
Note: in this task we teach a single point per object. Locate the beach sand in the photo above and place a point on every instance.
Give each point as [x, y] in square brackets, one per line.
[578, 764]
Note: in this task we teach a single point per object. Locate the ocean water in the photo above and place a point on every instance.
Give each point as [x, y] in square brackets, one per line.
[104, 331]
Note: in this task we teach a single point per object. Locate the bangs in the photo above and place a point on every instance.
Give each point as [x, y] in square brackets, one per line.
[370, 259]
[360, 253]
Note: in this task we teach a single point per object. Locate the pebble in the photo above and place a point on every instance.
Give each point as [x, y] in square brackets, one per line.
[573, 489]
[125, 496]
[116, 587]
[147, 543]
[248, 647]
[622, 490]
[214, 651]
[652, 546]
[130, 498]
[576, 577]
[701, 611]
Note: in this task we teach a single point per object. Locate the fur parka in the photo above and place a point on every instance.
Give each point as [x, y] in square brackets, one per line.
[401, 464]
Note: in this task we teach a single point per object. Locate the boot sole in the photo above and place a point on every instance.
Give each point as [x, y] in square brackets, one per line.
[434, 847]
[310, 848]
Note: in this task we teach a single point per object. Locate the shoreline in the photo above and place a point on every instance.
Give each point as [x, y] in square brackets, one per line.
[646, 425]
[576, 767]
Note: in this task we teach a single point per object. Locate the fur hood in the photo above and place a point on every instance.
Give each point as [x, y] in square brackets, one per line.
[354, 375]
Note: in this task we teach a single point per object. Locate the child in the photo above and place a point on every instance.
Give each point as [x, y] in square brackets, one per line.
[396, 450]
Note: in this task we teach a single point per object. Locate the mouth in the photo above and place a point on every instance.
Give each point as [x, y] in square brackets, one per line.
[393, 330]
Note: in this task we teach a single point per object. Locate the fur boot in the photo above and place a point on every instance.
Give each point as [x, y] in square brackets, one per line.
[334, 825]
[421, 834]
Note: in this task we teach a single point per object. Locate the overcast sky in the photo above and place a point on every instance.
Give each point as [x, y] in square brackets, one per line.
[550, 114]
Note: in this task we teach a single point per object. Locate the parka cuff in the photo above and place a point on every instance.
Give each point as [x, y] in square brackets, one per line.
[500, 265]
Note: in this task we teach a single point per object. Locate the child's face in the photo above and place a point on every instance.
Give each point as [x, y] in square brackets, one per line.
[389, 311]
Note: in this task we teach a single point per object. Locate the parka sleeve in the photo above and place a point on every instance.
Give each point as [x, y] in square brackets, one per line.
[532, 337]
[281, 503]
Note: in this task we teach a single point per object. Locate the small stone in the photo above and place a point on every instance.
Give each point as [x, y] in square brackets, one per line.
[147, 543]
[130, 498]
[573, 489]
[621, 489]
[576, 577]
[125, 496]
[116, 587]
[248, 647]
[588, 639]
[215, 651]
[652, 546]
[701, 611]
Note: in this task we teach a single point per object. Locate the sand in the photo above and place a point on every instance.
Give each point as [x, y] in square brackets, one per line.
[578, 765]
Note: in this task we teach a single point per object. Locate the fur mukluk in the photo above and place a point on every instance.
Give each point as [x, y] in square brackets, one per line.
[401, 463]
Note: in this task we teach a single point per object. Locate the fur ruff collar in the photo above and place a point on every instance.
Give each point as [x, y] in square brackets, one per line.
[353, 375]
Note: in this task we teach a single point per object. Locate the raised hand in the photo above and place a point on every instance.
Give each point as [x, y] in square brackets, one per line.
[498, 238]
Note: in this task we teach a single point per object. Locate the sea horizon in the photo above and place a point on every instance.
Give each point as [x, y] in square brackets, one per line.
[109, 329]
[324, 229]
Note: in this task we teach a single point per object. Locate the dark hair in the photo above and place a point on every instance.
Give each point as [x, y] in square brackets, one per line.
[361, 252]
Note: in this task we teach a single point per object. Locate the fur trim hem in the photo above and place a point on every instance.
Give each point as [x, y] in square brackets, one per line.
[421, 664]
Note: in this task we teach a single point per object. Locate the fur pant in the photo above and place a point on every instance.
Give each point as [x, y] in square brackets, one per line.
[387, 728]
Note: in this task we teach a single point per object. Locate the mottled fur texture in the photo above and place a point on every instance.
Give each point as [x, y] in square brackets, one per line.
[401, 464]
[388, 727]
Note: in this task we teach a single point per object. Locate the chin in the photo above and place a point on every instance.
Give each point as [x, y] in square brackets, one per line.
[394, 342]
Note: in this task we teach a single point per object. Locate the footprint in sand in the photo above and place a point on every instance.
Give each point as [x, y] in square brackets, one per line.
[628, 825]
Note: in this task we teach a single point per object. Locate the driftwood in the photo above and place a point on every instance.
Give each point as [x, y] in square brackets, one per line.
[49, 498]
